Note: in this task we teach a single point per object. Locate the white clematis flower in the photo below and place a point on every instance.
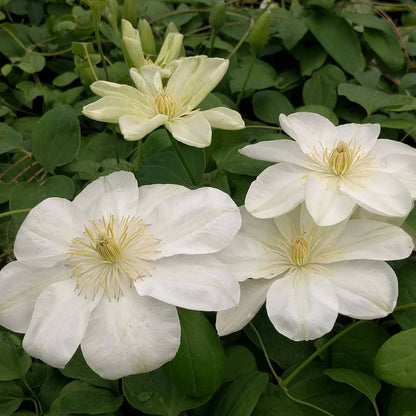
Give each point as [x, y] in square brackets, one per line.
[152, 104]
[333, 169]
[106, 270]
[308, 274]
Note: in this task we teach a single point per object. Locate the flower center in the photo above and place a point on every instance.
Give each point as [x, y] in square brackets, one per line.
[299, 251]
[165, 104]
[340, 159]
[112, 253]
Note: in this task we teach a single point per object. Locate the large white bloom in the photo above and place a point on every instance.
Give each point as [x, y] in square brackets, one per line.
[152, 104]
[105, 270]
[332, 169]
[308, 274]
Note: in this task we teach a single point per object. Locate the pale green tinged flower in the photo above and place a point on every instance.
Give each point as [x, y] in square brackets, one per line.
[308, 274]
[107, 270]
[134, 46]
[152, 103]
[333, 169]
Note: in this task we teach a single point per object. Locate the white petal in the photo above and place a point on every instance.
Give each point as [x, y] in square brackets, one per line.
[277, 190]
[253, 295]
[380, 193]
[116, 193]
[386, 147]
[365, 289]
[192, 282]
[58, 324]
[403, 168]
[153, 195]
[224, 118]
[326, 204]
[302, 305]
[135, 128]
[134, 335]
[170, 49]
[111, 89]
[248, 258]
[193, 130]
[196, 222]
[108, 109]
[371, 240]
[276, 151]
[21, 282]
[195, 78]
[147, 79]
[311, 131]
[363, 136]
[263, 230]
[48, 229]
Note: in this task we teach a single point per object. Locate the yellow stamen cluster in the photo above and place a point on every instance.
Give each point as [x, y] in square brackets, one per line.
[299, 251]
[165, 104]
[111, 253]
[340, 159]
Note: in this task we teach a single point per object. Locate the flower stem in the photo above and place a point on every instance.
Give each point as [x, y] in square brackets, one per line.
[38, 406]
[300, 367]
[279, 380]
[403, 307]
[237, 47]
[16, 211]
[182, 158]
[211, 46]
[252, 62]
[138, 160]
[97, 20]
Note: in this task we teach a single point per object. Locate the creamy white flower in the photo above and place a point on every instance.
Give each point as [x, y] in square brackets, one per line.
[152, 104]
[333, 169]
[106, 270]
[308, 274]
[133, 51]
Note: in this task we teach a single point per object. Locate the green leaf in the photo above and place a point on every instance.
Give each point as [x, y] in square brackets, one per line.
[79, 397]
[365, 384]
[357, 349]
[402, 403]
[239, 397]
[14, 362]
[339, 40]
[372, 100]
[154, 393]
[198, 367]
[292, 31]
[262, 76]
[32, 63]
[396, 361]
[9, 139]
[320, 109]
[78, 368]
[65, 79]
[11, 396]
[406, 276]
[229, 159]
[234, 356]
[320, 89]
[56, 137]
[267, 106]
[282, 350]
[387, 47]
[310, 58]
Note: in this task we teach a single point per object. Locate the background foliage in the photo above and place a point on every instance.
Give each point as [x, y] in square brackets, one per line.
[351, 61]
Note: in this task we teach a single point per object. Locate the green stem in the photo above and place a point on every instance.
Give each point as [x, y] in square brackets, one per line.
[138, 160]
[181, 157]
[211, 46]
[279, 380]
[403, 307]
[240, 96]
[16, 211]
[300, 367]
[266, 355]
[35, 399]
[241, 41]
[100, 48]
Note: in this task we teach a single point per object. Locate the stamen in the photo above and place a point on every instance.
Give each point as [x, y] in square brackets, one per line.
[165, 104]
[340, 159]
[299, 251]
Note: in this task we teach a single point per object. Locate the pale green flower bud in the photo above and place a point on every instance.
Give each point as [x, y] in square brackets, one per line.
[170, 50]
[113, 13]
[260, 32]
[131, 45]
[129, 12]
[217, 16]
[146, 37]
[171, 28]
